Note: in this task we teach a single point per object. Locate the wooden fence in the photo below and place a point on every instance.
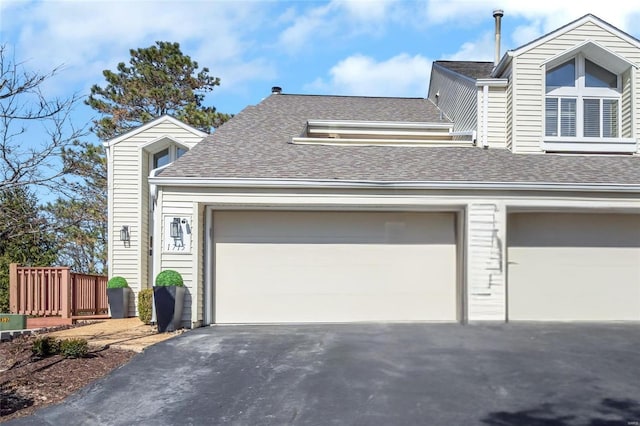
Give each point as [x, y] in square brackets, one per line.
[55, 295]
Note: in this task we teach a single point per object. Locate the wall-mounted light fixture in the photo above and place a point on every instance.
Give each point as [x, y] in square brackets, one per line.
[174, 230]
[124, 234]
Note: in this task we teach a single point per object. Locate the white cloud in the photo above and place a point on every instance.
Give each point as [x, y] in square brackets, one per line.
[551, 14]
[339, 18]
[401, 75]
[482, 49]
[88, 37]
[304, 27]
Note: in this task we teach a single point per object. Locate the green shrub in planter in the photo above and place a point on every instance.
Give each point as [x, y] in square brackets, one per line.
[118, 294]
[45, 346]
[169, 278]
[145, 305]
[74, 348]
[168, 297]
[117, 282]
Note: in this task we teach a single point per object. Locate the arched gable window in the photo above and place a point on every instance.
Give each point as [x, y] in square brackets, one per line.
[582, 100]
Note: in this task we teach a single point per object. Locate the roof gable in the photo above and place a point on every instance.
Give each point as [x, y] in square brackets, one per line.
[589, 18]
[153, 123]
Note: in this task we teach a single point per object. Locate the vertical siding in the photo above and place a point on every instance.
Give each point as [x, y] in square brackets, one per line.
[457, 98]
[528, 108]
[129, 169]
[485, 262]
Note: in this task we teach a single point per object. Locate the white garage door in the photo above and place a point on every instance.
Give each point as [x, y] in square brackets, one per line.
[334, 267]
[583, 267]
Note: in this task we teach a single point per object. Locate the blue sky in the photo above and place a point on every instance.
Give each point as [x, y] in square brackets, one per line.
[357, 47]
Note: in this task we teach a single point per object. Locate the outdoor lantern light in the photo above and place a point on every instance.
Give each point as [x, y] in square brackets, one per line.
[124, 233]
[174, 230]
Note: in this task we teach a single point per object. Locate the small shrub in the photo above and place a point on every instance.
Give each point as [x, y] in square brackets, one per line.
[169, 278]
[117, 282]
[74, 348]
[45, 346]
[145, 301]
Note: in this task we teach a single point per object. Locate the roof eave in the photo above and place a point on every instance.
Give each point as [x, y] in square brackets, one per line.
[363, 184]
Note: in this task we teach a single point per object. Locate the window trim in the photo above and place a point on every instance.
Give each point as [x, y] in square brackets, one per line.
[173, 154]
[580, 92]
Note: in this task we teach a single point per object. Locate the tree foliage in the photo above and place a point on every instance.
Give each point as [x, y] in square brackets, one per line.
[24, 236]
[159, 80]
[82, 219]
[25, 111]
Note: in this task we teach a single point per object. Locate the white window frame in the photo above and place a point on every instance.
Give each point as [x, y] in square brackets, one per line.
[579, 92]
[173, 155]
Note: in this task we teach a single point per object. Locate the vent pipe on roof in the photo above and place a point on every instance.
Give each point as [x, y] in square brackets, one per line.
[275, 90]
[497, 15]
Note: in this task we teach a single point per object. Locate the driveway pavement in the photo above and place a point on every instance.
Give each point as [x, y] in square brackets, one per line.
[374, 374]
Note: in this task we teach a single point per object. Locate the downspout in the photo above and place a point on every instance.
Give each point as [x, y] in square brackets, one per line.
[485, 116]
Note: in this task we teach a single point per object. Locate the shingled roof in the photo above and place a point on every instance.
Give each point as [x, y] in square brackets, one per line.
[256, 144]
[471, 69]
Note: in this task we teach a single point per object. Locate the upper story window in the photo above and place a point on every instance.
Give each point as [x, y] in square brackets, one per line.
[582, 100]
[167, 156]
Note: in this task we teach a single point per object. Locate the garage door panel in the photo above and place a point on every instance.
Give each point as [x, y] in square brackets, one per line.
[574, 267]
[295, 279]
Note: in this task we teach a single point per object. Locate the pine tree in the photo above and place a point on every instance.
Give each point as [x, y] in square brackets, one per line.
[159, 80]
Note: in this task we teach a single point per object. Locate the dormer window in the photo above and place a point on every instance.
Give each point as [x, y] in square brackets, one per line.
[582, 100]
[167, 155]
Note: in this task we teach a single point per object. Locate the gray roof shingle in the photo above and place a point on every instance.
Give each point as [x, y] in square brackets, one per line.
[256, 144]
[471, 69]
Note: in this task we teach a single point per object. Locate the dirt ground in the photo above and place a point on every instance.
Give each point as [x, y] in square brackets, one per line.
[28, 383]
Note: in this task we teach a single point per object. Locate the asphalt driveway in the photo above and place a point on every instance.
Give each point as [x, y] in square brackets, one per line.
[373, 374]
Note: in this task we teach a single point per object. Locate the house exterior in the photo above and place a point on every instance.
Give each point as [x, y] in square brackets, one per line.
[511, 193]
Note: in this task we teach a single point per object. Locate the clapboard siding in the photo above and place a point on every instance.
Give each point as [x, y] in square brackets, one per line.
[497, 117]
[181, 262]
[509, 110]
[528, 75]
[130, 199]
[486, 279]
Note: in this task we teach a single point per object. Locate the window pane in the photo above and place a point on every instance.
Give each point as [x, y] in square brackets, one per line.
[596, 76]
[161, 158]
[567, 117]
[180, 151]
[592, 118]
[551, 117]
[610, 118]
[563, 75]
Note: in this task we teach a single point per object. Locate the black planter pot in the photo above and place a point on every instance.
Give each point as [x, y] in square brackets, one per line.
[169, 302]
[119, 302]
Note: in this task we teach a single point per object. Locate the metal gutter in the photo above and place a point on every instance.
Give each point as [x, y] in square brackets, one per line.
[358, 184]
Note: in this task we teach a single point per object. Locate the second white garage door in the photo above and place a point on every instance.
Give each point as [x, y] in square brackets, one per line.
[574, 267]
[334, 267]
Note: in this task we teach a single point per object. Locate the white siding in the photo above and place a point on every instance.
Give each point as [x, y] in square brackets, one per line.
[497, 117]
[485, 262]
[509, 111]
[457, 98]
[528, 107]
[129, 203]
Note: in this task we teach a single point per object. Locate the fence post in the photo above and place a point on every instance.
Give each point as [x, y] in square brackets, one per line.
[65, 292]
[13, 288]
